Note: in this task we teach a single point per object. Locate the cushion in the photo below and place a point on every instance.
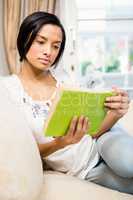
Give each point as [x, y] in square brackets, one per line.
[63, 187]
[21, 174]
[127, 120]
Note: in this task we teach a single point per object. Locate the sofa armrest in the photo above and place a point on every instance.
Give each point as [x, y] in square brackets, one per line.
[127, 121]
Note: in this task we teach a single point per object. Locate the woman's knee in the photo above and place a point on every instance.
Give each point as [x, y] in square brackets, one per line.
[116, 151]
[125, 169]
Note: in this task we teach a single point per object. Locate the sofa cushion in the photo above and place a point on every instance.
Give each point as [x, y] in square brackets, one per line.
[63, 187]
[21, 173]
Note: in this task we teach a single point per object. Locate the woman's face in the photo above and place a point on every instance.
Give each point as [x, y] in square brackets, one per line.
[45, 47]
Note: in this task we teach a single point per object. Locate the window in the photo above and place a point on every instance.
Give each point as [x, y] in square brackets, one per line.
[105, 37]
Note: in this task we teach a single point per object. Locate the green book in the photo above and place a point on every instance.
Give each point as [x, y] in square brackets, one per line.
[70, 103]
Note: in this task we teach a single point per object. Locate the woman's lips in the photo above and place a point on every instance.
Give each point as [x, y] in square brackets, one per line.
[44, 61]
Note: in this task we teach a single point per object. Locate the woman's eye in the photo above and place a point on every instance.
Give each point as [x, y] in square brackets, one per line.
[56, 47]
[40, 42]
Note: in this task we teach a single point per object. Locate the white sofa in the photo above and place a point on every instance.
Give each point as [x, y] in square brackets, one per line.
[21, 174]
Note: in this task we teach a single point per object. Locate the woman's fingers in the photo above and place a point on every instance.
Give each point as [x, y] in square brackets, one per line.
[118, 103]
[121, 98]
[80, 124]
[86, 125]
[82, 128]
[120, 91]
[72, 126]
[78, 128]
[118, 98]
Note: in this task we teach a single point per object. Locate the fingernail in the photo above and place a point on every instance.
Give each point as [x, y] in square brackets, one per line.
[75, 117]
[107, 98]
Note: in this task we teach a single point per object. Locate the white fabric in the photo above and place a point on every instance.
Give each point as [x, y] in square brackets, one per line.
[75, 159]
[21, 174]
[62, 187]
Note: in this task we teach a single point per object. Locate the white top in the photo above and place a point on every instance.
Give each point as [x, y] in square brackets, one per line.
[76, 159]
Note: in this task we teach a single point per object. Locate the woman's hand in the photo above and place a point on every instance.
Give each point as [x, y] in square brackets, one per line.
[77, 129]
[118, 104]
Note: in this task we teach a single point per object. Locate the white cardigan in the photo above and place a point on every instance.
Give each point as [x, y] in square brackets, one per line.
[76, 159]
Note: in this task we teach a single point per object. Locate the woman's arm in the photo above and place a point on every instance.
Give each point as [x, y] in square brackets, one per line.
[107, 124]
[50, 147]
[77, 129]
[118, 106]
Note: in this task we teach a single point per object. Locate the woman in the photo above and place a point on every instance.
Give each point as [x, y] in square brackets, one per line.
[41, 42]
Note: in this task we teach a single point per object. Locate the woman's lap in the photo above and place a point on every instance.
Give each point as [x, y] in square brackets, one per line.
[104, 176]
[115, 148]
[116, 169]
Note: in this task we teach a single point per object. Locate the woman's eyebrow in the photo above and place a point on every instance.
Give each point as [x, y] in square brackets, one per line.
[44, 38]
[38, 35]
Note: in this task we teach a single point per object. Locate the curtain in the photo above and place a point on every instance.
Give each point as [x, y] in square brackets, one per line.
[11, 24]
[14, 12]
[42, 5]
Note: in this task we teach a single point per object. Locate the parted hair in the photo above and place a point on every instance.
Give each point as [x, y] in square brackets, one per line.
[29, 28]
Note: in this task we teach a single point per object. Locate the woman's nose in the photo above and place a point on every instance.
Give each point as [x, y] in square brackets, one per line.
[47, 50]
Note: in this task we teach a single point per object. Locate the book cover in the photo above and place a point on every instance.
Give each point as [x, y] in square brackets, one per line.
[70, 103]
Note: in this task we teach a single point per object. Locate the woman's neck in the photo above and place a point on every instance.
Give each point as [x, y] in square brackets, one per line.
[28, 72]
[36, 82]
